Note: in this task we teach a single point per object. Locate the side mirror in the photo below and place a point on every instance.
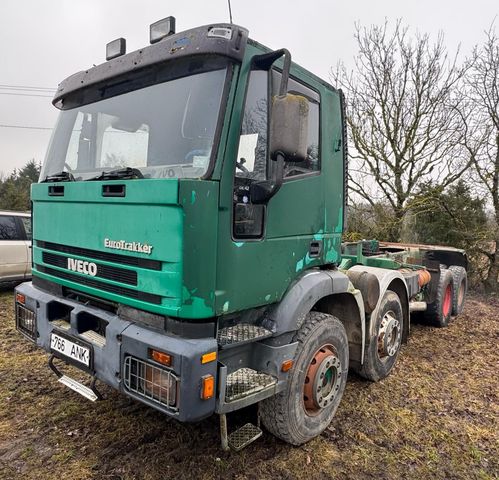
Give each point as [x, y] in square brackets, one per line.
[289, 127]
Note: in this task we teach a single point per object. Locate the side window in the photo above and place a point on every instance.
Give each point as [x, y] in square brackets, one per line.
[8, 228]
[27, 226]
[252, 153]
[312, 162]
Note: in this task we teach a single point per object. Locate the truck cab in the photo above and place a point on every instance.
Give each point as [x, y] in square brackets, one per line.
[187, 237]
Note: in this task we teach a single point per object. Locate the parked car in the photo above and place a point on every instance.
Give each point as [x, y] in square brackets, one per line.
[15, 247]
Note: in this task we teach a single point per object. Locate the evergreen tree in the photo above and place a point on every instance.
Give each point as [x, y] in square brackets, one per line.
[15, 189]
[452, 217]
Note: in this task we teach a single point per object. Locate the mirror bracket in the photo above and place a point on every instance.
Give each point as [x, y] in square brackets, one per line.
[262, 192]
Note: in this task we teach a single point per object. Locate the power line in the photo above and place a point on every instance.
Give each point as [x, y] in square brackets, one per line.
[26, 94]
[29, 127]
[24, 87]
[37, 90]
[25, 127]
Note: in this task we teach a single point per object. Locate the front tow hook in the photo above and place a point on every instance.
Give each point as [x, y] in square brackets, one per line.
[88, 392]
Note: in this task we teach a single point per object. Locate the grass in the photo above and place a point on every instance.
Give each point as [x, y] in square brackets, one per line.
[436, 416]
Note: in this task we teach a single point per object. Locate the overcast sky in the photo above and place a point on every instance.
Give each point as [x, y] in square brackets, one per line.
[42, 42]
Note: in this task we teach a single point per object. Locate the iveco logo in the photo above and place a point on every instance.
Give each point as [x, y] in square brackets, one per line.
[88, 268]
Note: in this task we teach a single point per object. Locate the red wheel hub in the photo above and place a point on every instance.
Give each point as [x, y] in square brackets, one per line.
[322, 380]
[446, 308]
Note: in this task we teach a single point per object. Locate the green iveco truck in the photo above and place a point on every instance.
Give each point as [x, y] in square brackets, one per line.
[187, 240]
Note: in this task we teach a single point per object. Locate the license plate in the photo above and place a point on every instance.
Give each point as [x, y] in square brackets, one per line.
[75, 351]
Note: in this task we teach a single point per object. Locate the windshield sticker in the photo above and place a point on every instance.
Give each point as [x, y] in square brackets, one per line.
[199, 161]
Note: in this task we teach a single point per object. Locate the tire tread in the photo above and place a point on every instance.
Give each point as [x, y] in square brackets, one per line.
[458, 274]
[433, 314]
[273, 409]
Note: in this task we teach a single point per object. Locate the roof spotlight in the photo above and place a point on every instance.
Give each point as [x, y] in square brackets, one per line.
[116, 48]
[161, 29]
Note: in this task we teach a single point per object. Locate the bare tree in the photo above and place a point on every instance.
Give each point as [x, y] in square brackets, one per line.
[401, 112]
[481, 137]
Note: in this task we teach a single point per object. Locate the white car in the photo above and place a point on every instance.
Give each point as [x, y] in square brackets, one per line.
[15, 247]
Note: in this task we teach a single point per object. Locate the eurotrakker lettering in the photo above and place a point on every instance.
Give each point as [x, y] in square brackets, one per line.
[128, 246]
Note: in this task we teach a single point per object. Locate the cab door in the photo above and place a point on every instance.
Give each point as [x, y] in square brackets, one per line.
[264, 247]
[13, 249]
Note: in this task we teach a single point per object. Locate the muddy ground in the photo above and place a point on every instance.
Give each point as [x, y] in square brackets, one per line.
[436, 416]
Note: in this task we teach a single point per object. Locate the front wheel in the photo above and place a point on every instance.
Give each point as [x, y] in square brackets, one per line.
[315, 385]
[384, 345]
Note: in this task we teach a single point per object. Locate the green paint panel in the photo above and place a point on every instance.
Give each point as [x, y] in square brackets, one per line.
[83, 218]
[199, 200]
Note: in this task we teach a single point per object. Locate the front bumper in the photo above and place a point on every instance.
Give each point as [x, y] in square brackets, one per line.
[120, 353]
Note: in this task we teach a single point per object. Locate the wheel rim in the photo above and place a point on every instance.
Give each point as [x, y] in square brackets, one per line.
[322, 381]
[447, 301]
[389, 336]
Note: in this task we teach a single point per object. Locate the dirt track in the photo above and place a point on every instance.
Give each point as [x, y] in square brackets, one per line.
[436, 416]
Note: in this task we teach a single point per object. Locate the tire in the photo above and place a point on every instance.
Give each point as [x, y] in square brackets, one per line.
[460, 282]
[439, 312]
[302, 411]
[384, 346]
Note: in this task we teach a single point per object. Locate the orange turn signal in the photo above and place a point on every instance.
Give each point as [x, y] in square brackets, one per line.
[286, 365]
[160, 357]
[209, 357]
[207, 387]
[20, 298]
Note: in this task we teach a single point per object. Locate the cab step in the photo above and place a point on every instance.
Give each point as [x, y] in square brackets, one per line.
[245, 382]
[240, 334]
[78, 388]
[88, 392]
[243, 436]
[94, 338]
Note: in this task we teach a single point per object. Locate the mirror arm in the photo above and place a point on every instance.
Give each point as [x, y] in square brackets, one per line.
[279, 173]
[266, 60]
[262, 192]
[283, 87]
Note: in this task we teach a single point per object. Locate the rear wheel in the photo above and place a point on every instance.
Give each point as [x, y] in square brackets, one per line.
[384, 346]
[460, 282]
[439, 312]
[316, 383]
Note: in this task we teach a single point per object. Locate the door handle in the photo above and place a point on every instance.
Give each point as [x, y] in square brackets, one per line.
[315, 248]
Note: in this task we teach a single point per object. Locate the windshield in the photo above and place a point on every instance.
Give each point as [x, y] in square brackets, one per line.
[165, 130]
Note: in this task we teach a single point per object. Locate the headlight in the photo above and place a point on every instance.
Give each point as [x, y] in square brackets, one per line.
[156, 384]
[160, 384]
[26, 321]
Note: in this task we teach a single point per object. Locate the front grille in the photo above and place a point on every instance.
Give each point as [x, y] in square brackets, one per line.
[121, 275]
[90, 282]
[151, 382]
[97, 255]
[26, 321]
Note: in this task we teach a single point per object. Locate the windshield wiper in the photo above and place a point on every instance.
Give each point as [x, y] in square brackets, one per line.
[126, 173]
[59, 177]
